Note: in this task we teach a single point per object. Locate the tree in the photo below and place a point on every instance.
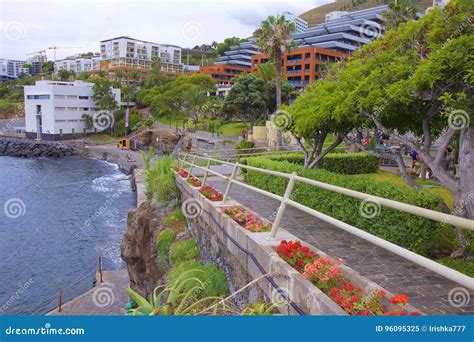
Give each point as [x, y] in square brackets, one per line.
[399, 11]
[246, 100]
[47, 67]
[274, 38]
[204, 81]
[228, 42]
[119, 74]
[414, 85]
[194, 99]
[65, 75]
[266, 71]
[88, 121]
[102, 94]
[134, 76]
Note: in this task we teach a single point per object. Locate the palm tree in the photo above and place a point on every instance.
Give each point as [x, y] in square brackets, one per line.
[399, 11]
[195, 99]
[274, 38]
[119, 74]
[134, 76]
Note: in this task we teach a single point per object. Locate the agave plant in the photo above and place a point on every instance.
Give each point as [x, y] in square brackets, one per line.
[262, 309]
[175, 299]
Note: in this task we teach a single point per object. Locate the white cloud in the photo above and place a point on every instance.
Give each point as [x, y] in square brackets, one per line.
[83, 24]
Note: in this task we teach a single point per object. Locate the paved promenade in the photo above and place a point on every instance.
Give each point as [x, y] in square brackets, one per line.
[428, 291]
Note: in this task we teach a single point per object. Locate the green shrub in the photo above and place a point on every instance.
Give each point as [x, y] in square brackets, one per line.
[247, 147]
[163, 244]
[173, 217]
[344, 163]
[184, 250]
[406, 230]
[160, 183]
[214, 279]
[465, 266]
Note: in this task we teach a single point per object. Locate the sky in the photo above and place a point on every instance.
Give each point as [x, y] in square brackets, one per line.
[30, 26]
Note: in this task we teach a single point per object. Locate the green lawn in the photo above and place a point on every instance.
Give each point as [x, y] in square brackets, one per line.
[433, 188]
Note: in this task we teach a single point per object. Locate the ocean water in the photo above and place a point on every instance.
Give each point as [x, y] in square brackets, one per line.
[57, 216]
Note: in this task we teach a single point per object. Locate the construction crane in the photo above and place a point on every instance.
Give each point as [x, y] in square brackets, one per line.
[40, 52]
[62, 47]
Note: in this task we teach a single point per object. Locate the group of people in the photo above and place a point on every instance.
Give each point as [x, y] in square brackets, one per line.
[449, 163]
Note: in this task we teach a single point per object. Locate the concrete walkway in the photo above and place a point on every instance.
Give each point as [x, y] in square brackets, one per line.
[107, 299]
[427, 291]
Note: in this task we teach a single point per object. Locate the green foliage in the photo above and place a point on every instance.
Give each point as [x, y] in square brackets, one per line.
[403, 229]
[214, 280]
[183, 296]
[343, 163]
[163, 244]
[88, 120]
[160, 183]
[173, 217]
[261, 309]
[102, 94]
[184, 250]
[465, 266]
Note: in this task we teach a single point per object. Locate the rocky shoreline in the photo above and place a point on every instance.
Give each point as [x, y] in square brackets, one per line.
[32, 148]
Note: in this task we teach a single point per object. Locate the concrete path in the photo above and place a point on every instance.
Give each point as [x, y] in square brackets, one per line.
[107, 299]
[428, 291]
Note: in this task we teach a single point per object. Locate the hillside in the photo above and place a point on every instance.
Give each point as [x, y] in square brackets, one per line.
[317, 15]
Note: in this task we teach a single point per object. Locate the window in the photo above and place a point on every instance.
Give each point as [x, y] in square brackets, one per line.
[59, 96]
[83, 97]
[85, 109]
[307, 55]
[60, 121]
[72, 109]
[61, 132]
[38, 97]
[71, 97]
[59, 108]
[72, 131]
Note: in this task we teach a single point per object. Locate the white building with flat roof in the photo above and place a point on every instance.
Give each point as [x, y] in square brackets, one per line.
[11, 69]
[300, 24]
[54, 110]
[77, 64]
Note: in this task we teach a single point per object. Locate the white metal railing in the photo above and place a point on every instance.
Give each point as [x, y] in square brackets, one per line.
[285, 200]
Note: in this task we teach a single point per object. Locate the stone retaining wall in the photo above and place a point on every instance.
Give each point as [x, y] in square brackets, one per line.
[245, 256]
[32, 148]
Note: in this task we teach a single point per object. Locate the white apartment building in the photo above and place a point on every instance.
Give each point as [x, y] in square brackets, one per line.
[53, 110]
[126, 47]
[335, 15]
[77, 64]
[11, 69]
[301, 25]
[126, 52]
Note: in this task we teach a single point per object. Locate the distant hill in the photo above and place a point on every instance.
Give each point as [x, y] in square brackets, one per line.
[317, 15]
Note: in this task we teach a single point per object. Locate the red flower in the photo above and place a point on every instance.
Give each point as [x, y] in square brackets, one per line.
[354, 299]
[415, 313]
[365, 313]
[399, 299]
[348, 287]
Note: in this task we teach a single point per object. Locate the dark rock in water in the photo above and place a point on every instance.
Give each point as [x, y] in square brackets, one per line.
[33, 148]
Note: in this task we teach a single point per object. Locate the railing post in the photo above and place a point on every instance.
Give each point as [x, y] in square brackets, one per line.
[180, 161]
[229, 185]
[100, 270]
[205, 172]
[60, 304]
[281, 209]
[191, 168]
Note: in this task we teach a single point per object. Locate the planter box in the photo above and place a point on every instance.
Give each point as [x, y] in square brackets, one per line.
[263, 249]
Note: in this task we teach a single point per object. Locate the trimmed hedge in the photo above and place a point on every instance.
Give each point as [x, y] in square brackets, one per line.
[406, 230]
[344, 163]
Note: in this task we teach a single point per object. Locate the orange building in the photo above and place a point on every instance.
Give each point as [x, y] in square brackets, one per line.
[222, 74]
[302, 66]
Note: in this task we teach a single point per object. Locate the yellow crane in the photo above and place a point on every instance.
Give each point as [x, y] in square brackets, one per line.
[55, 48]
[40, 52]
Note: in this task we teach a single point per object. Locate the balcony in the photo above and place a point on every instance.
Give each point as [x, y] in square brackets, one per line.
[294, 71]
[293, 60]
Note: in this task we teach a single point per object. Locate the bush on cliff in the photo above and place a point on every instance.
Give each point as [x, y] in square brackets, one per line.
[214, 280]
[163, 244]
[183, 251]
[160, 183]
